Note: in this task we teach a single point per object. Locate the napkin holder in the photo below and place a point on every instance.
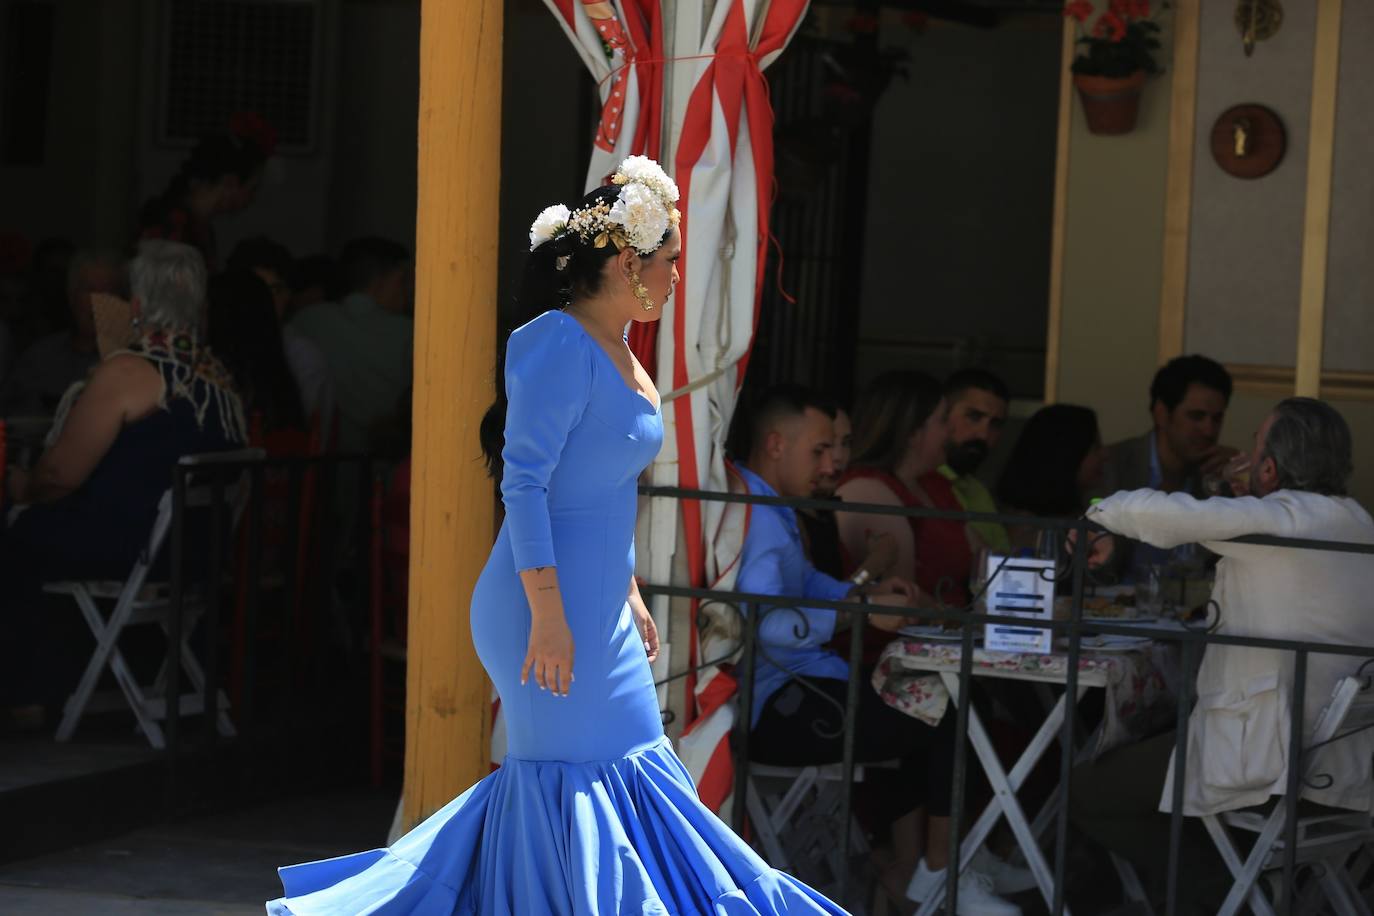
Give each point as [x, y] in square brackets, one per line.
[1019, 587]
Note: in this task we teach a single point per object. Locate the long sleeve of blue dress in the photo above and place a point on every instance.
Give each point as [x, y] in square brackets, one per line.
[548, 384]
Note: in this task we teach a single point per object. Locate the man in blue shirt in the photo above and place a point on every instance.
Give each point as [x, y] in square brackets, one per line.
[800, 688]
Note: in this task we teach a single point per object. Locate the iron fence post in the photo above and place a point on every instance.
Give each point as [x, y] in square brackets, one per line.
[1066, 737]
[172, 696]
[253, 595]
[1185, 687]
[1295, 775]
[857, 621]
[214, 585]
[742, 720]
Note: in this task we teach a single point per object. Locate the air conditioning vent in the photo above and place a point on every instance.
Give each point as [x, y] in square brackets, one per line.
[225, 56]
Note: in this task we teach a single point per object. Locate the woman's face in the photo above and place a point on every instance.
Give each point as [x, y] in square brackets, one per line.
[658, 273]
[844, 442]
[1092, 469]
[841, 446]
[237, 193]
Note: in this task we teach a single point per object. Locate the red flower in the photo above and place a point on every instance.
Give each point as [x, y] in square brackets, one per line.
[916, 20]
[842, 93]
[1110, 26]
[1079, 9]
[254, 128]
[863, 24]
[1131, 9]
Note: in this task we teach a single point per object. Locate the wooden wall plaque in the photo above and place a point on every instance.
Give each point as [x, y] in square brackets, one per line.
[1248, 141]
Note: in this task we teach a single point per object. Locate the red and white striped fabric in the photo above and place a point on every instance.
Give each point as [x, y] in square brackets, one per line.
[621, 43]
[723, 164]
[720, 138]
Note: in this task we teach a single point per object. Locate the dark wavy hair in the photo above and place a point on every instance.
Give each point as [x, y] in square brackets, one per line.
[245, 334]
[544, 286]
[1041, 476]
[891, 409]
[1174, 378]
[212, 158]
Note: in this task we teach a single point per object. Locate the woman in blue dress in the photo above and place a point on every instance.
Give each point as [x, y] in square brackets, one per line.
[591, 812]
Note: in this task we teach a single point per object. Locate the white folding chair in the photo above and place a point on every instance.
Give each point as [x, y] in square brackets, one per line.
[137, 601]
[1329, 838]
[795, 814]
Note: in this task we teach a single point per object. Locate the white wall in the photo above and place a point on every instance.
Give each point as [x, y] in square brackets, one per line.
[84, 183]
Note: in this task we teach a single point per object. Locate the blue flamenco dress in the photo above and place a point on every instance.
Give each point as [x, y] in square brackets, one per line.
[591, 812]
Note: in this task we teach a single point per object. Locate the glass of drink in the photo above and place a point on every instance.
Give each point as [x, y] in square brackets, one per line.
[1149, 592]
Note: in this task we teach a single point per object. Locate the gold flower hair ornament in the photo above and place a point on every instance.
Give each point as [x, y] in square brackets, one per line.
[640, 216]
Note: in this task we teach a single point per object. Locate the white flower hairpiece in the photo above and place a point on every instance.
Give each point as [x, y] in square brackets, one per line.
[644, 208]
[548, 225]
[640, 216]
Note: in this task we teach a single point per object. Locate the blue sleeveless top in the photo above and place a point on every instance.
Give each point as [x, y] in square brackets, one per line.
[98, 531]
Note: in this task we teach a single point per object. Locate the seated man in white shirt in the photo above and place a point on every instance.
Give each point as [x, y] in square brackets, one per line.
[1238, 733]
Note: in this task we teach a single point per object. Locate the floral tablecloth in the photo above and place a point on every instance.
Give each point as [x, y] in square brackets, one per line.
[1141, 685]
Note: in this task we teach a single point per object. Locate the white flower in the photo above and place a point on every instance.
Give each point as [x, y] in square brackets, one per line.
[548, 224]
[643, 214]
[645, 171]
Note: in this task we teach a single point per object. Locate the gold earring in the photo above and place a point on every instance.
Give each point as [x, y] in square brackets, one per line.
[641, 293]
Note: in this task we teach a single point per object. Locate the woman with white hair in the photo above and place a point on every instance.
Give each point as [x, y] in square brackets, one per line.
[87, 506]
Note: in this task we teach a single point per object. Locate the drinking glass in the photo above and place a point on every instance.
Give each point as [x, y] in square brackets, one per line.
[1149, 592]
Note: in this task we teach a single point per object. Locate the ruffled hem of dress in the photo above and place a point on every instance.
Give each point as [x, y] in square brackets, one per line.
[541, 837]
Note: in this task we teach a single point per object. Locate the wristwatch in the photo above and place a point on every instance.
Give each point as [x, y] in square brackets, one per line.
[861, 577]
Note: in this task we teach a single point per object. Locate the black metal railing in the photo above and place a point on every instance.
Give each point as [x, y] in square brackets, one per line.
[1191, 640]
[242, 529]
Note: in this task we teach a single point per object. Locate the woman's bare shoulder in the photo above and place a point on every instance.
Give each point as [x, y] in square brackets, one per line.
[127, 378]
[868, 490]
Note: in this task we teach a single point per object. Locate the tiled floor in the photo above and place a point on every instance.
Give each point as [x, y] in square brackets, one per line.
[31, 760]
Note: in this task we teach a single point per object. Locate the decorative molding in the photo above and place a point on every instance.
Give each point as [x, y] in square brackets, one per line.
[1178, 191]
[1281, 381]
[1317, 219]
[1061, 209]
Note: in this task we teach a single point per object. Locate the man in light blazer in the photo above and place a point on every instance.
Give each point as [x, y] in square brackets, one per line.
[1238, 733]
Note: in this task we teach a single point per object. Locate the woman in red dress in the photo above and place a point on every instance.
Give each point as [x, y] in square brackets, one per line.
[899, 442]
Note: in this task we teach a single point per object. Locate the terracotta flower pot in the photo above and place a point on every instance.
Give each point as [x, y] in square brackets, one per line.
[1110, 103]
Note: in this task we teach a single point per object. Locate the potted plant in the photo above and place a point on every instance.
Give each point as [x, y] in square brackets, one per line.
[1117, 53]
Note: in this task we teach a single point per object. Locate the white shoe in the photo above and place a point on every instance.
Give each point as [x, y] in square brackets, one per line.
[976, 897]
[1006, 878]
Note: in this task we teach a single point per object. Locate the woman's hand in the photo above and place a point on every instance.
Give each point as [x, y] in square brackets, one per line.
[644, 621]
[890, 623]
[906, 593]
[882, 554]
[550, 654]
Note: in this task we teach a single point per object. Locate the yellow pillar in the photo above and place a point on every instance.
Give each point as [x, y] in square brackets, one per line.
[447, 721]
